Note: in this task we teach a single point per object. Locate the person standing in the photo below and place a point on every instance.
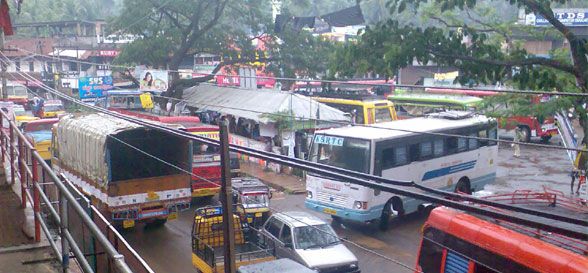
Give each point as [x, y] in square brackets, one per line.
[518, 138]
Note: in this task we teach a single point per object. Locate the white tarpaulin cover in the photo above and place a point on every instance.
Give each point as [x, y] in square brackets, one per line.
[253, 103]
[82, 141]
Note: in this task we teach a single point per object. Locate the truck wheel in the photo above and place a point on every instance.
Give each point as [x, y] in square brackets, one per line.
[526, 131]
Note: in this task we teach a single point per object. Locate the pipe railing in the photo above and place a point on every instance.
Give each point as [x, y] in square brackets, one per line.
[24, 162]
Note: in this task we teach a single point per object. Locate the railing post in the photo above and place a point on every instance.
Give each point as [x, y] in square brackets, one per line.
[21, 172]
[11, 151]
[36, 199]
[63, 228]
[2, 140]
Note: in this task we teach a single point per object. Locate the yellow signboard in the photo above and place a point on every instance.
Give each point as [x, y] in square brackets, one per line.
[146, 101]
[446, 76]
[213, 135]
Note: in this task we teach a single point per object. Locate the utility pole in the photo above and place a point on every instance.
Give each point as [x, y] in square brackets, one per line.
[4, 95]
[227, 200]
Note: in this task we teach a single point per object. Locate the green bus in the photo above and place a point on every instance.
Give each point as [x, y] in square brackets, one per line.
[418, 104]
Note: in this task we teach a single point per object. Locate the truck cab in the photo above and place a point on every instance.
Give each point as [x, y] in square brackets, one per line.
[254, 196]
[208, 240]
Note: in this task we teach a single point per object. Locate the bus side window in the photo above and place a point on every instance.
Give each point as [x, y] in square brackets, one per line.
[462, 144]
[426, 150]
[387, 159]
[483, 134]
[438, 148]
[472, 142]
[400, 156]
[493, 134]
[451, 145]
[414, 153]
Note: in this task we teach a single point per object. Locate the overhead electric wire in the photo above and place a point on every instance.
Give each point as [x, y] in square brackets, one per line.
[384, 128]
[506, 91]
[383, 186]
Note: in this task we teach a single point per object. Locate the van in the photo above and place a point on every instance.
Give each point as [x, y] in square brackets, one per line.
[308, 240]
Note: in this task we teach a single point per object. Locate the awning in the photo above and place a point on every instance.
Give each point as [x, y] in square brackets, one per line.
[259, 104]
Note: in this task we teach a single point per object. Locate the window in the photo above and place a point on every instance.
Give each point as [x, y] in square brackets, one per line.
[383, 114]
[493, 134]
[73, 66]
[472, 142]
[426, 150]
[400, 156]
[483, 134]
[346, 153]
[273, 226]
[387, 160]
[451, 145]
[17, 65]
[413, 153]
[462, 144]
[439, 148]
[31, 67]
[286, 236]
[315, 236]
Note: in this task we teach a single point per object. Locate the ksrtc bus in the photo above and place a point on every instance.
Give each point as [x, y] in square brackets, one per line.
[454, 241]
[442, 162]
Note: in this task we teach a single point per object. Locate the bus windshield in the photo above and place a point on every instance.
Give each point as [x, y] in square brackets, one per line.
[17, 91]
[345, 153]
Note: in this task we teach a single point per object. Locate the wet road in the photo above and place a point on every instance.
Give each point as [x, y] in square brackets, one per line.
[167, 249]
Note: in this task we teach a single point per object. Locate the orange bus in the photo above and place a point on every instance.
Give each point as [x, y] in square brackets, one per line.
[456, 242]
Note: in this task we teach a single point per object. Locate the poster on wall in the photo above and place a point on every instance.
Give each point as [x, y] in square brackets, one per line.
[155, 81]
[94, 87]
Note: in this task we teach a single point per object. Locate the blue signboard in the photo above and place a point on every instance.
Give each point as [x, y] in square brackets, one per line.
[94, 87]
[569, 17]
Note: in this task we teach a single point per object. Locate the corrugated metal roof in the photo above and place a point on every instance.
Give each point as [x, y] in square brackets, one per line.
[253, 104]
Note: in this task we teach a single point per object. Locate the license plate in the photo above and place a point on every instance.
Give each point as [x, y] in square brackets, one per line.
[128, 223]
[258, 214]
[172, 216]
[330, 211]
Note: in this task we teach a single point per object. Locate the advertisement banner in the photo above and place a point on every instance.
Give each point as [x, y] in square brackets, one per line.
[568, 17]
[94, 87]
[153, 80]
[146, 101]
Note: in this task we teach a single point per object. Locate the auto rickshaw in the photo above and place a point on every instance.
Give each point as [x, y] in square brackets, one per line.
[254, 196]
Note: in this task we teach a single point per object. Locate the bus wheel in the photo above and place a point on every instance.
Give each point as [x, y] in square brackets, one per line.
[392, 207]
[463, 185]
[526, 131]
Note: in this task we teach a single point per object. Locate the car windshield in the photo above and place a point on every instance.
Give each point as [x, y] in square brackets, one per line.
[258, 200]
[315, 236]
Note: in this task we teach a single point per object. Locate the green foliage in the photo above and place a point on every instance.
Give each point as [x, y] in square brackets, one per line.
[58, 10]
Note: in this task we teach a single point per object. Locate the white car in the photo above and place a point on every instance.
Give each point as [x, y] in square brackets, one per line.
[308, 240]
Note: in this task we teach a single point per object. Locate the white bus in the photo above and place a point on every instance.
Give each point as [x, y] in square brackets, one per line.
[440, 162]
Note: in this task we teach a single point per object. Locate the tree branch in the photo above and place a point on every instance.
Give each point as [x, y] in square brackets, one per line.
[447, 24]
[528, 61]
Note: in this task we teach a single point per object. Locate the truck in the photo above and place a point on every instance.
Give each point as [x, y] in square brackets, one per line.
[254, 196]
[133, 174]
[208, 240]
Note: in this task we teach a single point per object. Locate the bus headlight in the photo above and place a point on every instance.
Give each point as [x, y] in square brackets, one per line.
[360, 205]
[309, 194]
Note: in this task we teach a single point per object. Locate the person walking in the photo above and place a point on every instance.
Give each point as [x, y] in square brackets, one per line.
[574, 174]
[518, 138]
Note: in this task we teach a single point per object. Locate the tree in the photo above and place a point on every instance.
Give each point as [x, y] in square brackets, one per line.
[483, 51]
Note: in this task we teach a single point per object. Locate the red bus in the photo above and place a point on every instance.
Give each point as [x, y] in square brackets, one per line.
[206, 163]
[456, 242]
[531, 126]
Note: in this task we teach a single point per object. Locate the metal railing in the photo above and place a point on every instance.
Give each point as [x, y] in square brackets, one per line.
[67, 218]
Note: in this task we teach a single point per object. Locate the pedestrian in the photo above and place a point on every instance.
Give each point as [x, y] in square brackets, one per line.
[518, 138]
[574, 174]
